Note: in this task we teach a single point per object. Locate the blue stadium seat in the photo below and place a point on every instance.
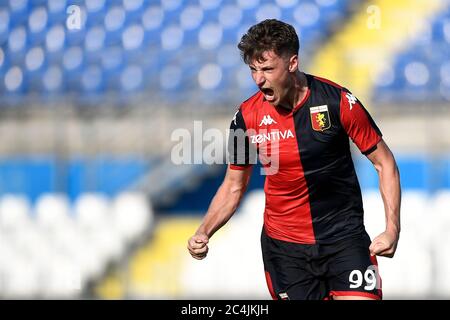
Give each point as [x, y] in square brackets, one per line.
[56, 11]
[37, 25]
[18, 12]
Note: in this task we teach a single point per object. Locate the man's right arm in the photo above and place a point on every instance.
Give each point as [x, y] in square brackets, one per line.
[221, 209]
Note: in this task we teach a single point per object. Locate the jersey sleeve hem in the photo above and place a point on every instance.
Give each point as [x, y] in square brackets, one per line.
[239, 167]
[372, 148]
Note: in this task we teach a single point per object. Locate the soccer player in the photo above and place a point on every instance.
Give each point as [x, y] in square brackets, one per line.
[314, 242]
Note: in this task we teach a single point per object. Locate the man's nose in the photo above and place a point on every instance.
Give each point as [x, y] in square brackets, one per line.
[259, 79]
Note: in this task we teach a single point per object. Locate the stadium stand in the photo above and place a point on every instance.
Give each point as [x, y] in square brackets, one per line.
[362, 52]
[55, 250]
[422, 71]
[125, 47]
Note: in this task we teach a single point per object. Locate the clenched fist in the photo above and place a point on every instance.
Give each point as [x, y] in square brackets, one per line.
[384, 245]
[198, 246]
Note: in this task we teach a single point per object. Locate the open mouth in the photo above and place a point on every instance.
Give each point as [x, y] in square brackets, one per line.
[268, 94]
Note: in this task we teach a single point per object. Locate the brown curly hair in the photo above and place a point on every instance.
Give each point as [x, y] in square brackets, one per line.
[270, 34]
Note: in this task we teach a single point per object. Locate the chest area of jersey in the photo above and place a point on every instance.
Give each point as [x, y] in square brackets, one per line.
[312, 130]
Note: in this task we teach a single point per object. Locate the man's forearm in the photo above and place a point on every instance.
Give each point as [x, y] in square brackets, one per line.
[222, 207]
[391, 194]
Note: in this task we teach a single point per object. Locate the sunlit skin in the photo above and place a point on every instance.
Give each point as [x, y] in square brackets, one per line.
[279, 79]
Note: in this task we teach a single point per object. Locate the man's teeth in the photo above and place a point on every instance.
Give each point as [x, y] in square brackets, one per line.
[269, 96]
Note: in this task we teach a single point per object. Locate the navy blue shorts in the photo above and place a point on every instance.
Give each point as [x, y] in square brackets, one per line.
[320, 271]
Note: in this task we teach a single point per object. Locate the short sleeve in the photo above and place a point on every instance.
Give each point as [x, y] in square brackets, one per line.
[358, 124]
[240, 153]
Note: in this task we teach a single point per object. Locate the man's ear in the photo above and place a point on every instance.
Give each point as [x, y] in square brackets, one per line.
[293, 63]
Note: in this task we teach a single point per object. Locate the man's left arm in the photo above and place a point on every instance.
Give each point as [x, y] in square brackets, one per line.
[389, 182]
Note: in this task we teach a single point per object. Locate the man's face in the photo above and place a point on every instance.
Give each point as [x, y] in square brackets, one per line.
[273, 76]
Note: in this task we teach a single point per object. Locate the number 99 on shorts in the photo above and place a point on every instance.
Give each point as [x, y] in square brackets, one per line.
[368, 279]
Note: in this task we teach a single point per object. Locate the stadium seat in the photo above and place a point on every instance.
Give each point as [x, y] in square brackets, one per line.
[14, 212]
[94, 218]
[61, 280]
[82, 253]
[110, 248]
[20, 280]
[92, 211]
[52, 212]
[132, 215]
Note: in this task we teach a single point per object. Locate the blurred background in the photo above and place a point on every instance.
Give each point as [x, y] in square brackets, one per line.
[92, 205]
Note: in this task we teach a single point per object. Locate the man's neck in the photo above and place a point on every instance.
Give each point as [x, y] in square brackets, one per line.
[298, 91]
[300, 88]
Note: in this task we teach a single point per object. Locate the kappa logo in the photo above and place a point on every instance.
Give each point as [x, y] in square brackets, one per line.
[351, 100]
[267, 120]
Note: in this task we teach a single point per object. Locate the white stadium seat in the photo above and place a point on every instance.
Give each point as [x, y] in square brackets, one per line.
[82, 253]
[108, 246]
[95, 219]
[62, 278]
[92, 211]
[14, 212]
[132, 215]
[53, 212]
[20, 279]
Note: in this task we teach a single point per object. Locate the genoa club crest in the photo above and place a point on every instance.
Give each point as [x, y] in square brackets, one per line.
[320, 118]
